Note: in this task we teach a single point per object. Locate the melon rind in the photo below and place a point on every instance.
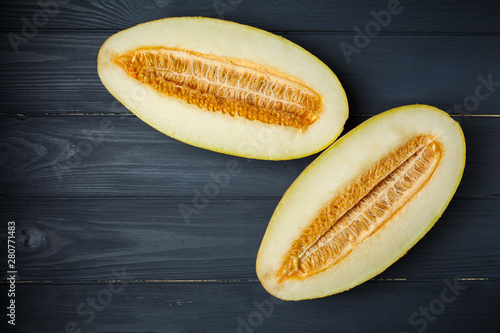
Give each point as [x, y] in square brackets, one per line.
[332, 171]
[213, 130]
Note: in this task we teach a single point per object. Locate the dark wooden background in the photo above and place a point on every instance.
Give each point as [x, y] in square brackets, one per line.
[96, 193]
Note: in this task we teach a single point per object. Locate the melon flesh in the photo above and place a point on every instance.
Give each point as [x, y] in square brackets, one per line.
[226, 87]
[362, 204]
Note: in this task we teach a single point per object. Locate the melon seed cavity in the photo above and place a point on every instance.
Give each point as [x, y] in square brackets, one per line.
[362, 208]
[227, 85]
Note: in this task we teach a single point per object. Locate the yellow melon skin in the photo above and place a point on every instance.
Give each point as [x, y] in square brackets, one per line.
[276, 63]
[331, 173]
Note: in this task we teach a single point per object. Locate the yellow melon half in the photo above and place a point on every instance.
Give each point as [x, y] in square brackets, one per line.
[362, 204]
[226, 87]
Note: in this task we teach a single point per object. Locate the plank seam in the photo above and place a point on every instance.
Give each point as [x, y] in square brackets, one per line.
[236, 281]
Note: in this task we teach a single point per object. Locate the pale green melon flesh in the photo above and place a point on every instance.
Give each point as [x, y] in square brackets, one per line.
[338, 166]
[213, 130]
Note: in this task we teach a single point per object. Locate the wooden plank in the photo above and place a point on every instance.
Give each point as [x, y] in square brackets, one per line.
[101, 156]
[118, 306]
[101, 200]
[56, 72]
[408, 16]
[71, 240]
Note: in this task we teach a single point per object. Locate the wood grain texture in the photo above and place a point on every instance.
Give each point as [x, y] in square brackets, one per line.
[323, 15]
[56, 72]
[246, 308]
[84, 240]
[98, 196]
[99, 156]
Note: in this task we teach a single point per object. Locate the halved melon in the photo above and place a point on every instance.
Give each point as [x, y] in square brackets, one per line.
[362, 204]
[226, 87]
